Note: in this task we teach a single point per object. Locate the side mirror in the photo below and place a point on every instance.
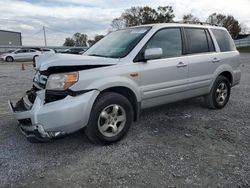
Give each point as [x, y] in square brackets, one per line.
[153, 53]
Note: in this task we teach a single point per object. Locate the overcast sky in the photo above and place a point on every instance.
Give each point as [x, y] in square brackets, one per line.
[62, 18]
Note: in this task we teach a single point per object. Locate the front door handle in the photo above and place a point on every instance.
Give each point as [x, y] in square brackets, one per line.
[181, 64]
[216, 60]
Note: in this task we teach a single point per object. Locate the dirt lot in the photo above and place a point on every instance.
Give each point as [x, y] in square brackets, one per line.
[176, 145]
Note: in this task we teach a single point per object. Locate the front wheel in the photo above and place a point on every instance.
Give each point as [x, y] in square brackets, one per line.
[110, 118]
[9, 59]
[219, 94]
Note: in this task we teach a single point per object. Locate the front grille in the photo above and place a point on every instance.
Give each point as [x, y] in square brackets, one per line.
[26, 102]
[51, 96]
[39, 86]
[26, 122]
[20, 106]
[32, 94]
[40, 80]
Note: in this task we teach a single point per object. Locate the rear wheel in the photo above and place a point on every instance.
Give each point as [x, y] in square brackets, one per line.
[219, 94]
[9, 59]
[110, 119]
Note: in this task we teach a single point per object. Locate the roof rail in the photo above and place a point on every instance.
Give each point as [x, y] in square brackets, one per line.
[196, 22]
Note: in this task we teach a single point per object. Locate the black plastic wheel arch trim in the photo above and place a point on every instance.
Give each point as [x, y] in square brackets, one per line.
[55, 95]
[67, 92]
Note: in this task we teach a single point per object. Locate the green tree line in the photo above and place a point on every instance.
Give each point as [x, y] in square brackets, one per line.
[80, 39]
[147, 15]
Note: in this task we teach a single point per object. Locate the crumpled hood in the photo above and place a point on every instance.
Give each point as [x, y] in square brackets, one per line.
[44, 62]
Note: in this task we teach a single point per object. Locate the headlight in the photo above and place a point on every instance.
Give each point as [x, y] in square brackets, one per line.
[62, 81]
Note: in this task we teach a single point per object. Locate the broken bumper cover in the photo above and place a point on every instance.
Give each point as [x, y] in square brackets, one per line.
[44, 121]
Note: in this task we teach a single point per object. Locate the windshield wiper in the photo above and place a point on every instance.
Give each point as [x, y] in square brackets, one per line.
[97, 55]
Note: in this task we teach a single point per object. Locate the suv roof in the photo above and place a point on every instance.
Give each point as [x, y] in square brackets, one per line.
[181, 24]
[78, 48]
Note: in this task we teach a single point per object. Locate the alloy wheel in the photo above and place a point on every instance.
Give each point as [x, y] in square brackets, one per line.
[112, 120]
[221, 93]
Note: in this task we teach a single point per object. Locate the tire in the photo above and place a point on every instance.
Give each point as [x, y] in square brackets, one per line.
[219, 94]
[34, 140]
[105, 124]
[9, 59]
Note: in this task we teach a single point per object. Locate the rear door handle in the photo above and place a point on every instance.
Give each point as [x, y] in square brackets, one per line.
[216, 60]
[181, 64]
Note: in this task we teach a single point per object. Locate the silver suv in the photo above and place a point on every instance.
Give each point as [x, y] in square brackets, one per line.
[129, 70]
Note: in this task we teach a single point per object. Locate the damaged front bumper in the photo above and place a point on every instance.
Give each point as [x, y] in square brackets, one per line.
[43, 121]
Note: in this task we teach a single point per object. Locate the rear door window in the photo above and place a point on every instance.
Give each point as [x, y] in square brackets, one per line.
[224, 40]
[196, 41]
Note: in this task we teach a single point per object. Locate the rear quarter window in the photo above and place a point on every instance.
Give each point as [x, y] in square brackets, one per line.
[224, 40]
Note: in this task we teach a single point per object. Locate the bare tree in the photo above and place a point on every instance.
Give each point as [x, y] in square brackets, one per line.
[190, 17]
[80, 39]
[91, 42]
[69, 42]
[118, 23]
[165, 14]
[227, 21]
[244, 29]
[144, 15]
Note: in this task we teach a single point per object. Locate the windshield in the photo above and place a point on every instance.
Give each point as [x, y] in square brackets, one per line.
[118, 44]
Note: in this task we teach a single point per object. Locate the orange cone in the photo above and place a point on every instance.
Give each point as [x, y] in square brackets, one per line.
[23, 68]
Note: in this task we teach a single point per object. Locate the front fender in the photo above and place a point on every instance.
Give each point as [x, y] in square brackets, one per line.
[116, 81]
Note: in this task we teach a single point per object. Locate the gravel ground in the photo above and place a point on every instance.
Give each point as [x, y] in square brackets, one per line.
[183, 144]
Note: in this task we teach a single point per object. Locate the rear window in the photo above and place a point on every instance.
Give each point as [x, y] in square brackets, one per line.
[196, 41]
[224, 40]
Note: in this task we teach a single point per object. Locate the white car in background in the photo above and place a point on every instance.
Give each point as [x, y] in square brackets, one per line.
[21, 54]
[46, 51]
